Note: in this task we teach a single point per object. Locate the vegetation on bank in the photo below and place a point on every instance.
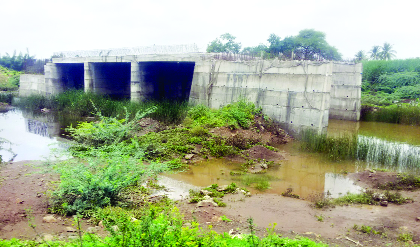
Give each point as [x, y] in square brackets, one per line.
[163, 226]
[9, 79]
[390, 91]
[105, 180]
[363, 148]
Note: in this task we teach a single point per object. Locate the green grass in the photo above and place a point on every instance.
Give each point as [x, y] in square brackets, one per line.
[163, 226]
[386, 86]
[372, 70]
[76, 104]
[336, 148]
[398, 113]
[9, 79]
[368, 197]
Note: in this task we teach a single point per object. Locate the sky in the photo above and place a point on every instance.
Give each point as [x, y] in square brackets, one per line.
[47, 26]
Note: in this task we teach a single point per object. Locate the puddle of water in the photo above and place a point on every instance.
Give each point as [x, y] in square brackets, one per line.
[31, 138]
[306, 174]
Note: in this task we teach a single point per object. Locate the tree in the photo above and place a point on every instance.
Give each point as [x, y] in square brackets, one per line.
[375, 53]
[256, 50]
[226, 43]
[387, 52]
[360, 55]
[275, 44]
[308, 44]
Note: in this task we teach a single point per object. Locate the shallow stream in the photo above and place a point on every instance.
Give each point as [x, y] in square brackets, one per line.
[306, 173]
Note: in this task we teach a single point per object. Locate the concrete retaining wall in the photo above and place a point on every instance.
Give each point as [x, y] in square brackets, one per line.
[32, 84]
[346, 92]
[294, 93]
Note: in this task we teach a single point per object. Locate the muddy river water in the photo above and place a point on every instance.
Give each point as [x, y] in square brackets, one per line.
[32, 137]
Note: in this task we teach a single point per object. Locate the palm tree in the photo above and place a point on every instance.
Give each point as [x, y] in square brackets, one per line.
[375, 53]
[387, 52]
[360, 55]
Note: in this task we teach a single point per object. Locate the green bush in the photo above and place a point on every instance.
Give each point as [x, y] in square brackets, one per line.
[373, 69]
[107, 131]
[400, 79]
[92, 183]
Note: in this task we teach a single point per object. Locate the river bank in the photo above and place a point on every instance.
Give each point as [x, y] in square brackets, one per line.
[25, 185]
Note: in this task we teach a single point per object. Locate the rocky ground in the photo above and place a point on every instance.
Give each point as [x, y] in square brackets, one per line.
[25, 186]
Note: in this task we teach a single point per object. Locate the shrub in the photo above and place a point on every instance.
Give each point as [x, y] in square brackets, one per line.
[107, 131]
[96, 183]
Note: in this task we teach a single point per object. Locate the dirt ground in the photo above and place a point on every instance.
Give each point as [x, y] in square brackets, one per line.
[24, 186]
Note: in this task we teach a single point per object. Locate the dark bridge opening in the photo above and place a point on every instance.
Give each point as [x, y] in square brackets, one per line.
[112, 79]
[72, 75]
[166, 80]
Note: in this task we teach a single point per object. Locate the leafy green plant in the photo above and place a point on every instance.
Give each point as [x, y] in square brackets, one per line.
[107, 131]
[319, 218]
[405, 237]
[96, 183]
[225, 219]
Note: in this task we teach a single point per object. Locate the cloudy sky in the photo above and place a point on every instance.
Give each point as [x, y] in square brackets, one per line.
[47, 26]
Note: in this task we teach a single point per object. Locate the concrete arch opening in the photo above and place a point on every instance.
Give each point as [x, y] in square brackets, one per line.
[163, 81]
[112, 79]
[71, 75]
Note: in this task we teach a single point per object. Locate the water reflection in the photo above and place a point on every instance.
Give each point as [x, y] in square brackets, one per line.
[31, 136]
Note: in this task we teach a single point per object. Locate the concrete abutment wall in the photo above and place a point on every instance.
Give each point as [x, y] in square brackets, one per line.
[297, 94]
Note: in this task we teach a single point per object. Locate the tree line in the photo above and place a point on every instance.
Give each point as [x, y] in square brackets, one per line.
[309, 44]
[22, 62]
[377, 52]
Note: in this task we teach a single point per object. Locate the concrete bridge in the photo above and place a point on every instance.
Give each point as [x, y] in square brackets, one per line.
[298, 94]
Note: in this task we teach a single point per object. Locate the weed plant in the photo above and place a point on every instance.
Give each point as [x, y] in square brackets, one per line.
[92, 183]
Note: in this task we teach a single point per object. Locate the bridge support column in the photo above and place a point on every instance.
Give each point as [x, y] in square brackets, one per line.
[53, 82]
[88, 77]
[135, 82]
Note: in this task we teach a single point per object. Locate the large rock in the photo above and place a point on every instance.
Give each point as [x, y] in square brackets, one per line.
[49, 219]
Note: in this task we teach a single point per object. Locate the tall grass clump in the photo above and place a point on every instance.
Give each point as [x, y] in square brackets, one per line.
[77, 103]
[336, 148]
[357, 147]
[399, 114]
[7, 97]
